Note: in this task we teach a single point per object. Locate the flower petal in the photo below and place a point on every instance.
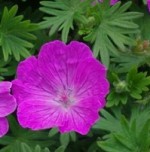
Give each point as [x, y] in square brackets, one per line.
[27, 71]
[40, 114]
[3, 126]
[81, 117]
[113, 2]
[58, 62]
[26, 91]
[90, 80]
[7, 104]
[29, 82]
[5, 87]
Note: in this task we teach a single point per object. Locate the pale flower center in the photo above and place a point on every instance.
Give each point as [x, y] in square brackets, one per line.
[66, 98]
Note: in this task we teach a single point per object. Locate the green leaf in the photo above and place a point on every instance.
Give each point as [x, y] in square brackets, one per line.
[6, 140]
[64, 139]
[107, 122]
[144, 135]
[73, 136]
[29, 137]
[112, 30]
[126, 60]
[137, 83]
[25, 148]
[15, 146]
[133, 85]
[15, 34]
[7, 68]
[60, 149]
[62, 14]
[53, 132]
[114, 98]
[144, 23]
[38, 149]
[131, 136]
[100, 42]
[118, 94]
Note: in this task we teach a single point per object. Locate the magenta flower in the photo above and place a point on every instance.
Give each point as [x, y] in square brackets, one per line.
[148, 4]
[7, 106]
[64, 87]
[112, 2]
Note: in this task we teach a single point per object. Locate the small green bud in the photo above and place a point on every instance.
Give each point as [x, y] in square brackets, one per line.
[91, 21]
[120, 87]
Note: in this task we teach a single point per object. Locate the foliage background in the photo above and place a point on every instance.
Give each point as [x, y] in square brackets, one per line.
[119, 36]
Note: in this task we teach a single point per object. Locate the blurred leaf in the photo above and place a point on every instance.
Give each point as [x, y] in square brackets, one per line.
[25, 148]
[144, 23]
[114, 99]
[144, 134]
[60, 149]
[7, 68]
[107, 121]
[137, 83]
[29, 137]
[53, 132]
[18, 146]
[73, 136]
[64, 139]
[38, 149]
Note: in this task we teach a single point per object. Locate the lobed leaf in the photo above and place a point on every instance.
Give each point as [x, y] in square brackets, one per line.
[15, 34]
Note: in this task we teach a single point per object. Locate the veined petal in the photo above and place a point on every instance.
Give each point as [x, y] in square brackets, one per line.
[27, 71]
[90, 80]
[81, 117]
[41, 114]
[25, 91]
[5, 87]
[58, 62]
[7, 104]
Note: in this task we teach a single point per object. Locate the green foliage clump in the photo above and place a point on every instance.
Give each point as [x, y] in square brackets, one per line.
[15, 34]
[62, 14]
[132, 86]
[131, 135]
[108, 28]
[113, 30]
